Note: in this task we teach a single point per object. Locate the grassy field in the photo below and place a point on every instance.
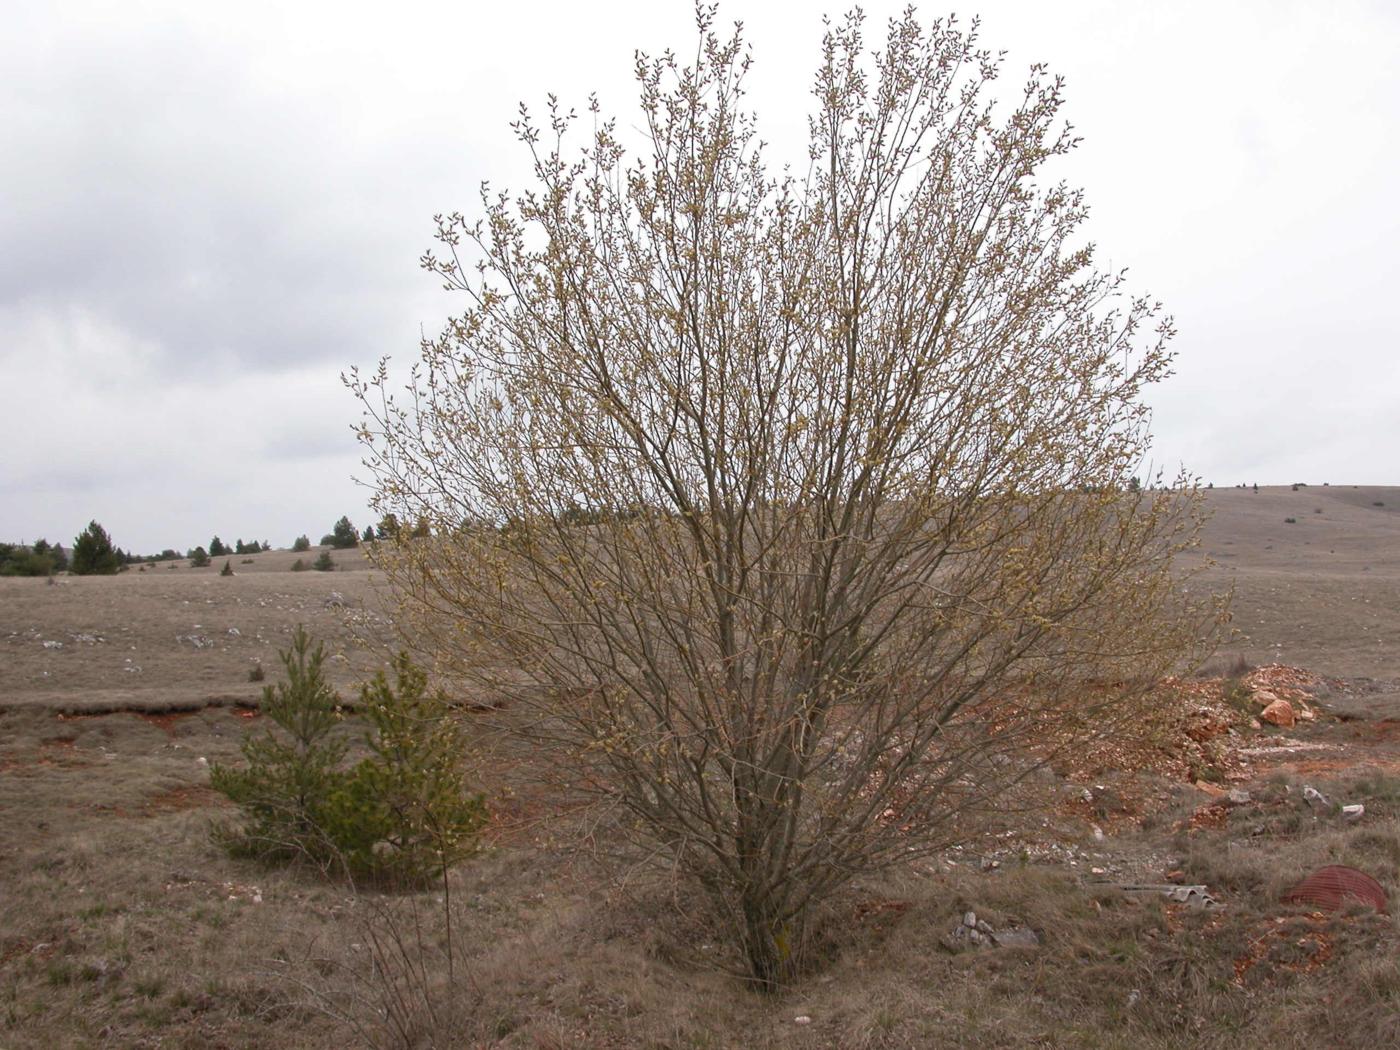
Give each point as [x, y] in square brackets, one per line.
[122, 924]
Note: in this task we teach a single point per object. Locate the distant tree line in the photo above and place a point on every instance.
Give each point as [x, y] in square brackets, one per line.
[36, 559]
[219, 549]
[344, 534]
[94, 554]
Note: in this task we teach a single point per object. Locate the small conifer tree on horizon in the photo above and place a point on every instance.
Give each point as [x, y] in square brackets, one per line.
[343, 535]
[93, 553]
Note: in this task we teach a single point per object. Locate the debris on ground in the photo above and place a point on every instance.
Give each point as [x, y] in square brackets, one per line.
[1195, 896]
[1315, 798]
[1205, 730]
[1332, 886]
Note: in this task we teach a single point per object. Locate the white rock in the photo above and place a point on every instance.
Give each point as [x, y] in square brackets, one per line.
[801, 1019]
[1315, 798]
[1016, 937]
[1354, 812]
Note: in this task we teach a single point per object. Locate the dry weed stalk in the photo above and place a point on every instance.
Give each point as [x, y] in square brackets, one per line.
[397, 976]
[794, 503]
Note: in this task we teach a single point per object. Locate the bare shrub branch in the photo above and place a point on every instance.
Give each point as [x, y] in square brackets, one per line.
[798, 506]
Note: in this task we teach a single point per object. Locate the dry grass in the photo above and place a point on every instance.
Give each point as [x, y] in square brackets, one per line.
[126, 926]
[179, 639]
[122, 924]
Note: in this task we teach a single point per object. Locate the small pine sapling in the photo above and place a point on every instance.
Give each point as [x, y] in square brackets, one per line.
[402, 815]
[292, 772]
[406, 814]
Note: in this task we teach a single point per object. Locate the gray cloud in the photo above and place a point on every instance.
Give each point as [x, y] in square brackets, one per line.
[209, 222]
[209, 213]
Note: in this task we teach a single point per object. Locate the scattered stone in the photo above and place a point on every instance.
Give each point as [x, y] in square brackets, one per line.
[1279, 713]
[335, 601]
[1238, 797]
[1353, 812]
[1098, 832]
[1265, 697]
[1286, 746]
[1213, 790]
[982, 934]
[801, 1019]
[53, 645]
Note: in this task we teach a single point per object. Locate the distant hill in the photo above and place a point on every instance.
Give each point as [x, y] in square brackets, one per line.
[1322, 590]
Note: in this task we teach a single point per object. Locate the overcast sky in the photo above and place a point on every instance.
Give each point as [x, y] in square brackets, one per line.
[208, 212]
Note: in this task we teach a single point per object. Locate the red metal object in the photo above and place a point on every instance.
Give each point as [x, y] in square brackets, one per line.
[1334, 885]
